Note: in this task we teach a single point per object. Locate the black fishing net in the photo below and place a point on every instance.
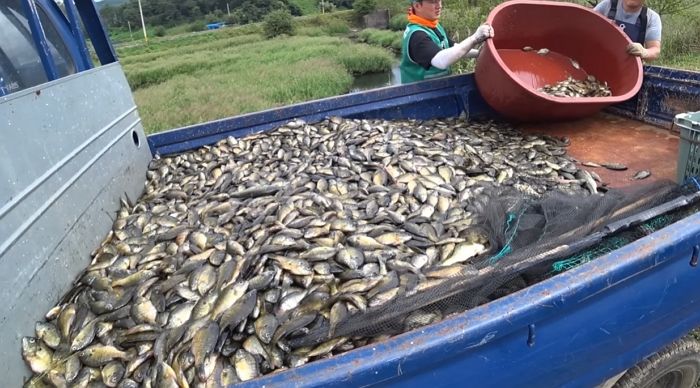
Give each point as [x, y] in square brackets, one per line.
[530, 239]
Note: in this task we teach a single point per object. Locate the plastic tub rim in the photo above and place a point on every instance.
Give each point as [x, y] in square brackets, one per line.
[547, 97]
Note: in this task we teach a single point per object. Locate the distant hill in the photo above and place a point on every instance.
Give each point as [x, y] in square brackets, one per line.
[113, 3]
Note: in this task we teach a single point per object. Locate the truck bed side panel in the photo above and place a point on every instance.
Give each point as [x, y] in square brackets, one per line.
[664, 93]
[70, 153]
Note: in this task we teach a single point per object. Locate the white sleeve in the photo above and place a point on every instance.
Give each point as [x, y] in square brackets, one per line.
[447, 57]
[473, 53]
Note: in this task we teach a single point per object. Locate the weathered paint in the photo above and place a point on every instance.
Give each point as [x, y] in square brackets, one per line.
[665, 92]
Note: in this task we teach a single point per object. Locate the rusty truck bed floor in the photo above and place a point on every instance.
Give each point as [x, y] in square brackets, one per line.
[607, 138]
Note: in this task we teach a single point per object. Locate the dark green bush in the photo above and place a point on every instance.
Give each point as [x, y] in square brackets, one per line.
[278, 22]
[398, 22]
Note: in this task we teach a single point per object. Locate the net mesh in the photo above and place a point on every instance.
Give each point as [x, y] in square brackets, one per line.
[530, 239]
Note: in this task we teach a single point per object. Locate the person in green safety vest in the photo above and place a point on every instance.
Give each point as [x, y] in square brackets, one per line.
[427, 51]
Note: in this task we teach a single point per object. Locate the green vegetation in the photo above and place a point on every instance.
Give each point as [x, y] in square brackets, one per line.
[383, 38]
[398, 22]
[672, 7]
[184, 80]
[168, 13]
[278, 23]
[680, 44]
[364, 7]
[307, 7]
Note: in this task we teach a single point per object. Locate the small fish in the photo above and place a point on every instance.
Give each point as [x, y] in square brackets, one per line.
[265, 327]
[143, 311]
[230, 295]
[365, 242]
[245, 365]
[393, 238]
[338, 314]
[327, 346]
[614, 166]
[37, 355]
[204, 341]
[48, 333]
[642, 174]
[464, 252]
[84, 337]
[98, 355]
[351, 257]
[575, 64]
[112, 373]
[239, 311]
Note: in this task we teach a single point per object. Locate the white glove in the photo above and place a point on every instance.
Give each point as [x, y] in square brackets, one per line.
[482, 33]
[637, 50]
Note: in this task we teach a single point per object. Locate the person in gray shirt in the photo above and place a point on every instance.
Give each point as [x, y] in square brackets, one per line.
[641, 24]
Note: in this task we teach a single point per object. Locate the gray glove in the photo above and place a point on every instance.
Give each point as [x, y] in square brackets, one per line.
[637, 50]
[482, 33]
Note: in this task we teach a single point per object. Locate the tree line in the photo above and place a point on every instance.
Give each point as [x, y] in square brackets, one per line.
[168, 13]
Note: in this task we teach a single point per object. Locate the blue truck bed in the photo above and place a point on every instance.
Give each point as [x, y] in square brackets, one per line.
[575, 329]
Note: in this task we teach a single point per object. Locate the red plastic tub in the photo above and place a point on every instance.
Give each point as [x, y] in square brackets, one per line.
[508, 77]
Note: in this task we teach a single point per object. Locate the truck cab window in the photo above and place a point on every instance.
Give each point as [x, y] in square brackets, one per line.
[20, 65]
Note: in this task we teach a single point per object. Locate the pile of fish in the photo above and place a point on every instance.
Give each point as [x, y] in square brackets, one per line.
[237, 248]
[570, 87]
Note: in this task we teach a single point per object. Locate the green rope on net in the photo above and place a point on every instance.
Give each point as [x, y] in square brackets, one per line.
[510, 231]
[655, 224]
[584, 257]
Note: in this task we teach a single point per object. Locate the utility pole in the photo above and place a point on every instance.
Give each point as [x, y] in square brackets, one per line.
[228, 11]
[143, 24]
[130, 34]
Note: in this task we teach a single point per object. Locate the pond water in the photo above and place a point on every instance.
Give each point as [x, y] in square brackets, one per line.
[377, 80]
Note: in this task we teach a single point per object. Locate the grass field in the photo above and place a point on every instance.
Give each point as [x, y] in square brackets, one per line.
[207, 76]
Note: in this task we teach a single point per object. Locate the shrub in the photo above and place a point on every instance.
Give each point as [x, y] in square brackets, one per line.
[294, 9]
[337, 27]
[398, 22]
[159, 31]
[277, 23]
[364, 7]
